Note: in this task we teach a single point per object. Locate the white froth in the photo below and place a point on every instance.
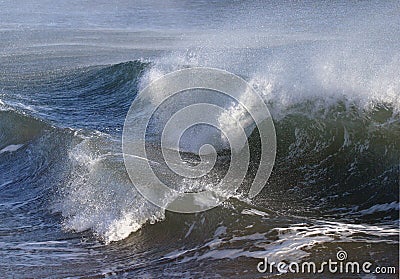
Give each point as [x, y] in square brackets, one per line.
[11, 148]
[100, 196]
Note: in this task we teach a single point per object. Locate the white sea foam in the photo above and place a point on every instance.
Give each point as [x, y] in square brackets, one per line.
[294, 242]
[11, 148]
[100, 196]
[359, 67]
[356, 75]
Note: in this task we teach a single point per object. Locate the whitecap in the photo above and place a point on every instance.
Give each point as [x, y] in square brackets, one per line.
[11, 148]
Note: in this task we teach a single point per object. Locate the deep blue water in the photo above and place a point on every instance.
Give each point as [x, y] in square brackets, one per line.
[328, 72]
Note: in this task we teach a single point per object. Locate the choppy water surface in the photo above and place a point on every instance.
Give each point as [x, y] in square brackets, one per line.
[329, 73]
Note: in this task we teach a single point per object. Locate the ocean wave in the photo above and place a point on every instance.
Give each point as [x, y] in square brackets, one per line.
[332, 156]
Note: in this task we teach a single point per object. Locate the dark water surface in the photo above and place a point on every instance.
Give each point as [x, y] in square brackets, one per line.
[328, 71]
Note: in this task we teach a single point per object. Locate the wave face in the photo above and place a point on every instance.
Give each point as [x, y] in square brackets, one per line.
[336, 162]
[68, 206]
